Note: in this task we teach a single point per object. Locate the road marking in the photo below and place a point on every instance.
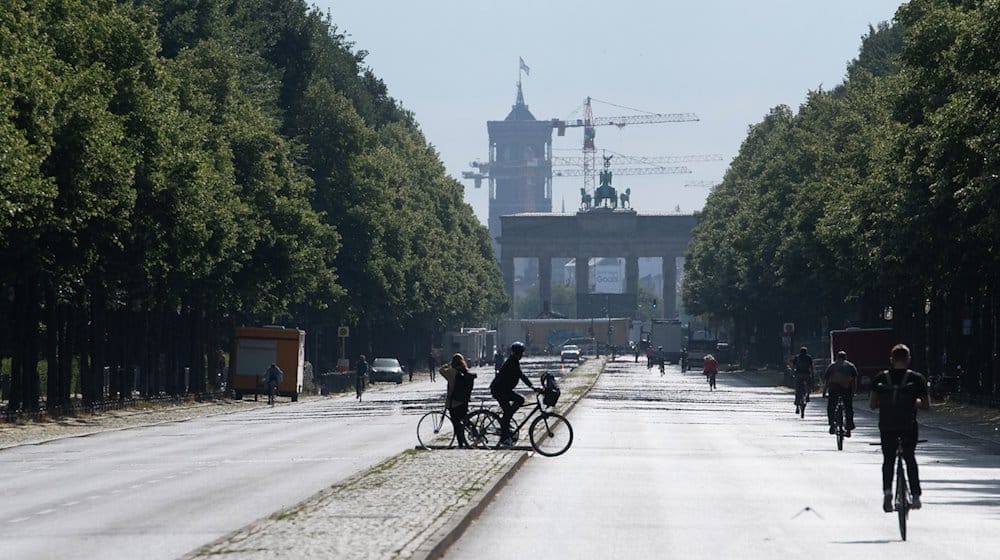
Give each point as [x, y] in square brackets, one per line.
[98, 497]
[18, 520]
[45, 512]
[117, 491]
[134, 486]
[154, 481]
[71, 504]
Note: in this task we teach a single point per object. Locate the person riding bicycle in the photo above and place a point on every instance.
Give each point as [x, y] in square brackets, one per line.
[497, 361]
[897, 393]
[710, 369]
[460, 382]
[359, 375]
[502, 389]
[803, 372]
[840, 380]
[272, 378]
[661, 358]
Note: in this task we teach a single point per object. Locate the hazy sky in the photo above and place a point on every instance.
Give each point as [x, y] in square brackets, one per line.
[454, 64]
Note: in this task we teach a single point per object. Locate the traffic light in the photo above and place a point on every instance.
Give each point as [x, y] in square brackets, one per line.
[653, 306]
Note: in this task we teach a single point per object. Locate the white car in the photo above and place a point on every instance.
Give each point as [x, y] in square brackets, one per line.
[569, 352]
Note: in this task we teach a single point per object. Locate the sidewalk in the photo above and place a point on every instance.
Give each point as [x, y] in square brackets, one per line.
[410, 506]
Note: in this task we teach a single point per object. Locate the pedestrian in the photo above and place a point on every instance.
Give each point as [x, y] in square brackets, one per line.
[635, 348]
[896, 394]
[710, 369]
[359, 376]
[431, 364]
[411, 364]
[460, 382]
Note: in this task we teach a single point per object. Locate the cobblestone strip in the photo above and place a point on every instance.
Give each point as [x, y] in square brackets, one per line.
[410, 506]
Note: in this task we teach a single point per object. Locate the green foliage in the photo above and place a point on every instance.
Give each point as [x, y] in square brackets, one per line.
[882, 191]
[227, 156]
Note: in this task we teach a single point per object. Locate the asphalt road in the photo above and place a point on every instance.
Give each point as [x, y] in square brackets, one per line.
[162, 491]
[662, 468]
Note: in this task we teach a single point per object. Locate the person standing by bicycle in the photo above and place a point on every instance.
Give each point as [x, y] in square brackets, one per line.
[359, 376]
[502, 389]
[710, 369]
[803, 372]
[840, 381]
[272, 378]
[460, 382]
[897, 393]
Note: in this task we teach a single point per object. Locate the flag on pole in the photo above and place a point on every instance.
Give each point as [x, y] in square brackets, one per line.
[524, 66]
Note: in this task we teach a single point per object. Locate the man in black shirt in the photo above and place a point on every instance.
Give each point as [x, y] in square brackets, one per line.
[502, 389]
[897, 393]
[803, 372]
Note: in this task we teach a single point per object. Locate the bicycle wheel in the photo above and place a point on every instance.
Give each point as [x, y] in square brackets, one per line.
[434, 431]
[551, 434]
[902, 498]
[482, 428]
[839, 419]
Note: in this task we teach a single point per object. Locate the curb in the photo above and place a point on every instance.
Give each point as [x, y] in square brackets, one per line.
[446, 536]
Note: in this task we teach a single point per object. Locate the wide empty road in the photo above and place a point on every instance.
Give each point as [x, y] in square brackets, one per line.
[662, 468]
[162, 491]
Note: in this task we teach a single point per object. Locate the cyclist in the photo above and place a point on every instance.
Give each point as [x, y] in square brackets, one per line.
[272, 378]
[460, 382]
[896, 394]
[359, 376]
[502, 389]
[497, 361]
[710, 369]
[803, 372]
[661, 359]
[840, 380]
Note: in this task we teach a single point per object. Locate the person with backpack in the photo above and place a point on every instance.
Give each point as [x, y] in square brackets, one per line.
[803, 372]
[840, 381]
[896, 394]
[460, 383]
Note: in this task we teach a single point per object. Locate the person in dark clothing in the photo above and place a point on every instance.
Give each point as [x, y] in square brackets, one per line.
[460, 382]
[897, 393]
[411, 364]
[803, 372]
[359, 376]
[431, 364]
[502, 389]
[840, 380]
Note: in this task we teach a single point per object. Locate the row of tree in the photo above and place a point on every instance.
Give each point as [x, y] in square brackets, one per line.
[876, 204]
[170, 169]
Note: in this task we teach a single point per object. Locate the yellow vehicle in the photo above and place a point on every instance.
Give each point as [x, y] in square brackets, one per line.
[259, 347]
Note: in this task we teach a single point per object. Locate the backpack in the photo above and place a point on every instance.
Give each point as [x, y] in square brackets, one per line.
[550, 389]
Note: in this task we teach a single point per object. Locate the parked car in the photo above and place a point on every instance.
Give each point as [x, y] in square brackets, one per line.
[386, 369]
[569, 352]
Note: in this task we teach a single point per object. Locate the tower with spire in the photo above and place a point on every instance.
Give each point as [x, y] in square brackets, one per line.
[520, 166]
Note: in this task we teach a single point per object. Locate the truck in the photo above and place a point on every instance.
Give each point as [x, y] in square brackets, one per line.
[259, 347]
[666, 333]
[867, 349]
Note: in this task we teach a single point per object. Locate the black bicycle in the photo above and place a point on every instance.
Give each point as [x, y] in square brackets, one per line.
[838, 422]
[801, 397]
[901, 502]
[481, 427]
[549, 433]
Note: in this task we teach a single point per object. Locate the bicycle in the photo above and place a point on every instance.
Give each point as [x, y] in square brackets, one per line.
[801, 397]
[550, 433]
[838, 422]
[901, 502]
[359, 386]
[435, 429]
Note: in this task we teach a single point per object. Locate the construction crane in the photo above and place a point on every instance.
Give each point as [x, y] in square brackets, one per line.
[577, 161]
[589, 122]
